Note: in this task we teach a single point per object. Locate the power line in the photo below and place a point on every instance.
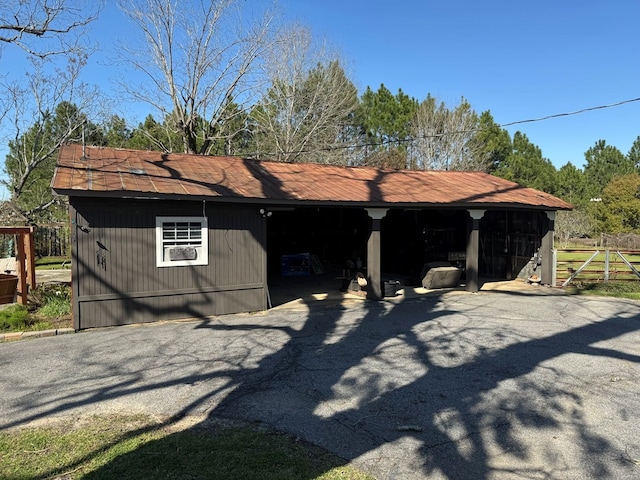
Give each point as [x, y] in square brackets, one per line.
[398, 141]
[567, 114]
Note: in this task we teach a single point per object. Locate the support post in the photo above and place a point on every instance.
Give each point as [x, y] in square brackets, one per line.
[546, 250]
[374, 269]
[473, 249]
[21, 259]
[30, 251]
[25, 260]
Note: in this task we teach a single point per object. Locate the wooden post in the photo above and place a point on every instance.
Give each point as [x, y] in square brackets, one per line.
[473, 249]
[25, 260]
[374, 269]
[21, 259]
[30, 251]
[546, 250]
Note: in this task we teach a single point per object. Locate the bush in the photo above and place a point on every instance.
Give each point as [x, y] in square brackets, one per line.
[49, 292]
[51, 300]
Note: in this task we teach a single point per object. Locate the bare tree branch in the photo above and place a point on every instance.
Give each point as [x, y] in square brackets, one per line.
[444, 139]
[198, 59]
[304, 114]
[47, 112]
[43, 28]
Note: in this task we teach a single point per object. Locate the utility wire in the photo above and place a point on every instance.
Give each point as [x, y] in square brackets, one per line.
[567, 114]
[399, 141]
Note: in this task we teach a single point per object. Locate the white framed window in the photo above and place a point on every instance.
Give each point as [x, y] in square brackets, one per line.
[181, 241]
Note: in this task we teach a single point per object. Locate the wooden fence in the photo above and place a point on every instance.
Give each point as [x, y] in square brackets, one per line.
[589, 265]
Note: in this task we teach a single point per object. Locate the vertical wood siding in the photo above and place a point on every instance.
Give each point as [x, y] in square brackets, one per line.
[116, 280]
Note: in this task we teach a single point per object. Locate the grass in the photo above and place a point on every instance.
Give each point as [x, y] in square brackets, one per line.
[53, 263]
[137, 446]
[630, 290]
[16, 318]
[55, 308]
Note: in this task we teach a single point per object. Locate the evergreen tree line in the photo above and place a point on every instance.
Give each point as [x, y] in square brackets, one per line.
[379, 129]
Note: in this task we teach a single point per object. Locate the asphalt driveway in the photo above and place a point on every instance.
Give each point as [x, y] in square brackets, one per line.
[494, 385]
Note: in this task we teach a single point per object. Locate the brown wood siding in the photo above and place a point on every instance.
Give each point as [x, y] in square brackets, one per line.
[116, 280]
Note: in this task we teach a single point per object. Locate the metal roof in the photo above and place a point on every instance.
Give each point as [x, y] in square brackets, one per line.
[97, 171]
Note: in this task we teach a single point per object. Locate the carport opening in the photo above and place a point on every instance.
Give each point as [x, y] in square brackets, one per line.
[314, 252]
[509, 243]
[413, 238]
[330, 235]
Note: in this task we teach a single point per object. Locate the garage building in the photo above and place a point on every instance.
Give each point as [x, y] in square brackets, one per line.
[159, 236]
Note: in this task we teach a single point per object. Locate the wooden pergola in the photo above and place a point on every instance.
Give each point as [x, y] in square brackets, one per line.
[25, 260]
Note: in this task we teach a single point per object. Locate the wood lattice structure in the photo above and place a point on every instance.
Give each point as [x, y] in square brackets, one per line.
[25, 260]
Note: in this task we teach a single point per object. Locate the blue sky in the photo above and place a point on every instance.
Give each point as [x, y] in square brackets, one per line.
[520, 60]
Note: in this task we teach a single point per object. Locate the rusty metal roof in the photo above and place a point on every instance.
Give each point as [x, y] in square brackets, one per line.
[97, 171]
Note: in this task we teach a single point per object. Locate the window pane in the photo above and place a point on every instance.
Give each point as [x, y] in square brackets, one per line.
[168, 231]
[196, 231]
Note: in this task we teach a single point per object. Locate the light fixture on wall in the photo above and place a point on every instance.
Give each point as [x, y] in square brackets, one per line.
[265, 213]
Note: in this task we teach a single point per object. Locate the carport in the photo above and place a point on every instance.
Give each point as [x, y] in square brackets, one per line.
[492, 244]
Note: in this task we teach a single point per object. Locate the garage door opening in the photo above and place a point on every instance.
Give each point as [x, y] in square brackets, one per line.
[510, 243]
[314, 252]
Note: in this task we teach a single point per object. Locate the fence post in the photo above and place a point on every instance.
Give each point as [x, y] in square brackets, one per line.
[606, 265]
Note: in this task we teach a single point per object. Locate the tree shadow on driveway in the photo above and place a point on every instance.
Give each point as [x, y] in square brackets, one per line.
[429, 389]
[483, 386]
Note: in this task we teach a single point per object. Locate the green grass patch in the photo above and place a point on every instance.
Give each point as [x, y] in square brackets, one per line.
[17, 318]
[629, 290]
[55, 308]
[53, 263]
[49, 307]
[134, 447]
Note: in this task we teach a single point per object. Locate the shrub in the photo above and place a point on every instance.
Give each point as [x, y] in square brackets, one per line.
[51, 300]
[49, 292]
[15, 318]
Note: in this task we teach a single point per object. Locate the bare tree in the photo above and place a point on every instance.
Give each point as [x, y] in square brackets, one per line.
[307, 112]
[444, 138]
[47, 111]
[46, 27]
[571, 224]
[199, 60]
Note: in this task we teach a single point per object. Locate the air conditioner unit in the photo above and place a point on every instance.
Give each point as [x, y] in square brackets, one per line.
[182, 253]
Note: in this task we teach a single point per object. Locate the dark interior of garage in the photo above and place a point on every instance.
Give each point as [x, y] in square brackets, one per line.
[332, 242]
[303, 243]
[509, 240]
[333, 235]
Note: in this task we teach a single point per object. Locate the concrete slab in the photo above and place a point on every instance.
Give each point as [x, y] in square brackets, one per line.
[53, 276]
